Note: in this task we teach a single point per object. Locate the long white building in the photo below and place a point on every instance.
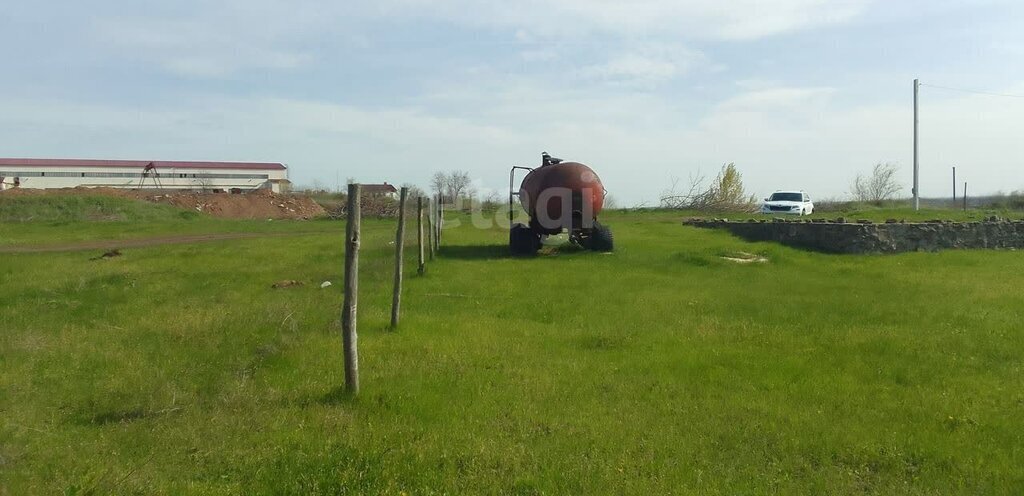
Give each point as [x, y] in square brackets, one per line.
[206, 176]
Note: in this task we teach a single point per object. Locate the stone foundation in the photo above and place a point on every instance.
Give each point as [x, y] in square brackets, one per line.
[842, 236]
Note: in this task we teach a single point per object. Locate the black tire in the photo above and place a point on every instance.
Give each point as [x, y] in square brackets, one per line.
[522, 240]
[601, 238]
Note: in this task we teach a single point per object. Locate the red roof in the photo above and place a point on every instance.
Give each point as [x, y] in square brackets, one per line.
[377, 188]
[140, 164]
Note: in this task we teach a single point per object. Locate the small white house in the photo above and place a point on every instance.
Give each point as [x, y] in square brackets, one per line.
[134, 174]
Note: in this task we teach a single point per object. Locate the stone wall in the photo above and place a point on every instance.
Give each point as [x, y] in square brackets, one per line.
[840, 236]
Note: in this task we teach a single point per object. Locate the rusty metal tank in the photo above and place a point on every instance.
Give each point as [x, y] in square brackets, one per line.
[546, 190]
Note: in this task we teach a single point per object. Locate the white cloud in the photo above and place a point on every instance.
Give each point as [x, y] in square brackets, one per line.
[212, 40]
[209, 65]
[218, 39]
[632, 66]
[539, 55]
[690, 19]
[776, 98]
[644, 65]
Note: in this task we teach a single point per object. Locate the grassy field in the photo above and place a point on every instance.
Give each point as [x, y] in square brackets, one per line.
[661, 368]
[876, 214]
[59, 220]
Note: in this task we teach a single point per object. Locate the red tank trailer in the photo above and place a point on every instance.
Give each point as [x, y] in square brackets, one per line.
[559, 197]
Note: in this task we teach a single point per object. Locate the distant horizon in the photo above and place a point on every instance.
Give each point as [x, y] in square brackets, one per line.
[844, 197]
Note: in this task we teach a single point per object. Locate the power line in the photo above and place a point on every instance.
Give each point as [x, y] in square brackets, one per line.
[989, 93]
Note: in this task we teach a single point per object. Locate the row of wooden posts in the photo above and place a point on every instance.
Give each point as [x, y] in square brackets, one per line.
[435, 221]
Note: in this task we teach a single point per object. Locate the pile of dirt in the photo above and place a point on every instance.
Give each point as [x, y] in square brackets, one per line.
[258, 204]
[373, 206]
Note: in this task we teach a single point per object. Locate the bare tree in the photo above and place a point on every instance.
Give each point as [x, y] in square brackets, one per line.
[675, 198]
[880, 186]
[438, 182]
[458, 185]
[414, 191]
[724, 193]
[491, 200]
[451, 186]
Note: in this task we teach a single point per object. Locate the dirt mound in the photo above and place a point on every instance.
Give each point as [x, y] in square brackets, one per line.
[371, 206]
[259, 204]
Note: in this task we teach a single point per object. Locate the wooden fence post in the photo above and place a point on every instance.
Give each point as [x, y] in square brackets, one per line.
[396, 297]
[440, 220]
[348, 311]
[431, 232]
[419, 233]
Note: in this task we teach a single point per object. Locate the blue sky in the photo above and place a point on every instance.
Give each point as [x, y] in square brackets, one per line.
[798, 93]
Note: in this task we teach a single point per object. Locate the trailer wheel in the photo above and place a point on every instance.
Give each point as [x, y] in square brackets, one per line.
[522, 240]
[601, 238]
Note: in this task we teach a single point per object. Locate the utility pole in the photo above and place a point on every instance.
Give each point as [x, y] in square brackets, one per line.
[917, 193]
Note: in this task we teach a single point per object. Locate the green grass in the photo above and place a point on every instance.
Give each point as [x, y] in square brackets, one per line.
[57, 220]
[660, 368]
[868, 212]
[879, 214]
[49, 209]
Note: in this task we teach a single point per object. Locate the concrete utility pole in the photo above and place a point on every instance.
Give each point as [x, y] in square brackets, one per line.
[917, 193]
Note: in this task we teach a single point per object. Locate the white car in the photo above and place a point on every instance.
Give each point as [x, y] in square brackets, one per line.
[788, 202]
